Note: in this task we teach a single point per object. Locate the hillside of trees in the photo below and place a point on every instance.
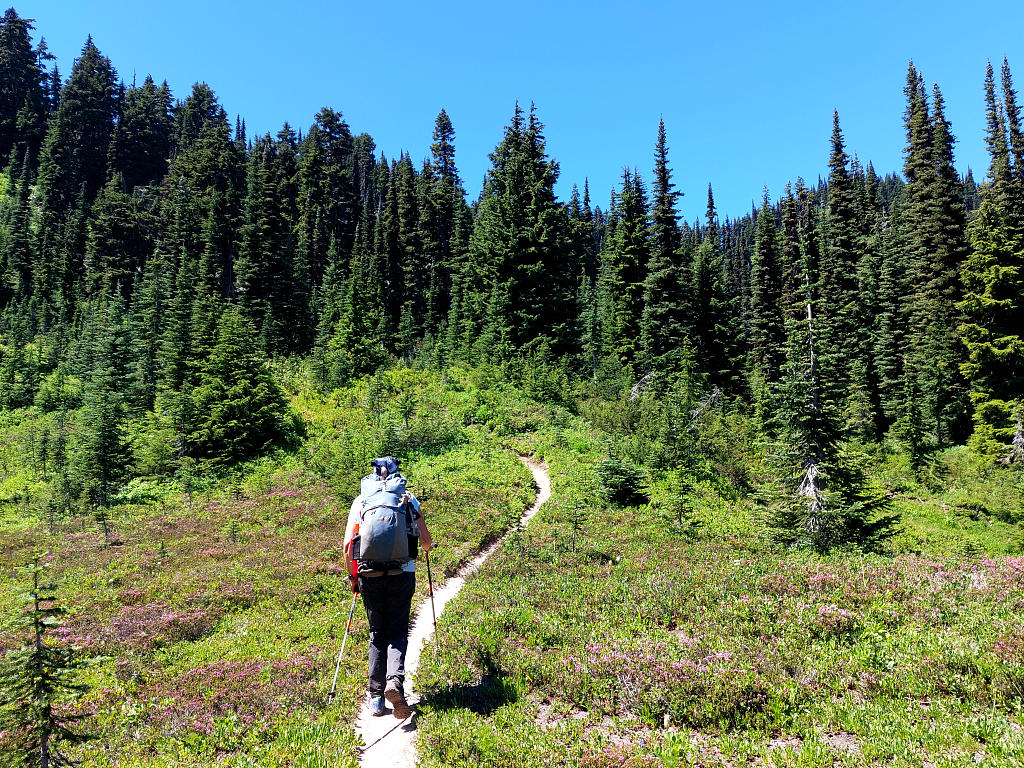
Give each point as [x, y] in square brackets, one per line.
[786, 446]
[154, 258]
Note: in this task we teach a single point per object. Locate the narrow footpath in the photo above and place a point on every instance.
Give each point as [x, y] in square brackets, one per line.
[390, 743]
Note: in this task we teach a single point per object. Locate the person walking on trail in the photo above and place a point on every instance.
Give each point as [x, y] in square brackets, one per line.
[385, 529]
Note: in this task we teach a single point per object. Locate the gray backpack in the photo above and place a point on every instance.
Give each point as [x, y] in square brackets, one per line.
[385, 526]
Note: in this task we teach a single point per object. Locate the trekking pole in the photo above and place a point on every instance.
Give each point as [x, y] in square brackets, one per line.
[348, 626]
[430, 584]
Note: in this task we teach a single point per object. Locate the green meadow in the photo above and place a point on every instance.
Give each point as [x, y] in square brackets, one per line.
[672, 632]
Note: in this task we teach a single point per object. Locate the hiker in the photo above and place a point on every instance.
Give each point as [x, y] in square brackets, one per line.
[384, 531]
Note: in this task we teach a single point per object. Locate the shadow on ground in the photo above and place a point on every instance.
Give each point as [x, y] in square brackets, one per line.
[492, 692]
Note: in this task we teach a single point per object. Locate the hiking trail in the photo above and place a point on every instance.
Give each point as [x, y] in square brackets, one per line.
[390, 743]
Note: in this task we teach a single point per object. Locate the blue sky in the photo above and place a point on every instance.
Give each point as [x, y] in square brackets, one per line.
[746, 89]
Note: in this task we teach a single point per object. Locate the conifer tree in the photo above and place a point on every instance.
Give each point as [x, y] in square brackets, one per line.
[18, 252]
[766, 320]
[239, 408]
[891, 325]
[664, 332]
[144, 325]
[140, 145]
[825, 499]
[265, 268]
[328, 194]
[74, 157]
[119, 240]
[790, 259]
[624, 264]
[445, 223]
[519, 282]
[386, 271]
[934, 218]
[36, 678]
[714, 317]
[352, 348]
[840, 259]
[24, 107]
[101, 455]
[993, 278]
[204, 162]
[413, 267]
[1014, 135]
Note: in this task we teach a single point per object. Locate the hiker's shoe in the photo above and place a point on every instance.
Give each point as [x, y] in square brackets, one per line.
[393, 693]
[377, 708]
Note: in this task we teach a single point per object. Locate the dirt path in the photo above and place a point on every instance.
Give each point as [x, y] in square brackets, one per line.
[390, 743]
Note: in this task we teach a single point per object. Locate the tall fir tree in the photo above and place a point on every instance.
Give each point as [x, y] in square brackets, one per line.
[624, 264]
[328, 196]
[24, 107]
[519, 282]
[824, 499]
[934, 218]
[840, 258]
[993, 278]
[766, 320]
[265, 271]
[664, 331]
[74, 157]
[140, 145]
[239, 408]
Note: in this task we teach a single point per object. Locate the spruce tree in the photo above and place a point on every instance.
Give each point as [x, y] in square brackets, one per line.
[664, 331]
[519, 282]
[101, 453]
[205, 162]
[624, 264]
[824, 500]
[239, 408]
[328, 192]
[140, 145]
[119, 241]
[265, 269]
[714, 317]
[411, 260]
[36, 679]
[766, 321]
[891, 325]
[445, 223]
[993, 279]
[993, 276]
[840, 258]
[23, 104]
[74, 158]
[934, 218]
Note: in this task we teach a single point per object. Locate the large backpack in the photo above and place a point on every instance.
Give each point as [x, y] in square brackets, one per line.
[385, 526]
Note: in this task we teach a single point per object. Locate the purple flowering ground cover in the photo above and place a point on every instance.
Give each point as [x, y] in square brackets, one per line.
[607, 637]
[214, 618]
[598, 637]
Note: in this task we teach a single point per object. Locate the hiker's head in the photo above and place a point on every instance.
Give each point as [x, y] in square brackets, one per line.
[384, 466]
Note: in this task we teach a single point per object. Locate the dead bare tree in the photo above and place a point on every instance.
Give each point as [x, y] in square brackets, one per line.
[1016, 455]
[641, 386]
[703, 406]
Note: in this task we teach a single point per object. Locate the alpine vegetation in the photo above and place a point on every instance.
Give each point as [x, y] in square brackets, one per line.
[785, 445]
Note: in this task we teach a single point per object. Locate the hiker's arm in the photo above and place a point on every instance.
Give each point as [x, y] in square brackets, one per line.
[350, 532]
[426, 543]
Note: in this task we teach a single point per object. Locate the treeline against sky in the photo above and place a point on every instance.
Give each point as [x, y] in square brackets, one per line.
[153, 254]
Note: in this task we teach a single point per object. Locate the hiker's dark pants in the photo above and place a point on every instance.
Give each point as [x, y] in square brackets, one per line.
[388, 600]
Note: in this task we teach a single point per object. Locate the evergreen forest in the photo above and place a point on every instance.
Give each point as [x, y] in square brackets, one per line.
[206, 334]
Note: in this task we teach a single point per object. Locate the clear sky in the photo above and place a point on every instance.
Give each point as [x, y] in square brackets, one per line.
[746, 88]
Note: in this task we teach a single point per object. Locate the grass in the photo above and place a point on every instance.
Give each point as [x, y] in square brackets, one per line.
[667, 634]
[215, 616]
[608, 636]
